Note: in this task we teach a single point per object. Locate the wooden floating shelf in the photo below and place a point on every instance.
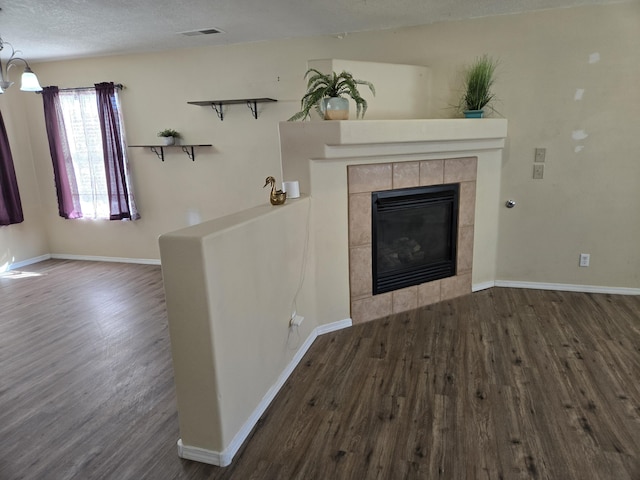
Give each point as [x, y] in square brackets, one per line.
[217, 105]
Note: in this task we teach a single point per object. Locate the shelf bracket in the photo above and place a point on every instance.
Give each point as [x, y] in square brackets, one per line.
[189, 150]
[218, 105]
[160, 153]
[191, 154]
[253, 106]
[218, 108]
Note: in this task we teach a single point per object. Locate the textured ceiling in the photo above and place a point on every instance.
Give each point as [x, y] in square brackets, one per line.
[57, 29]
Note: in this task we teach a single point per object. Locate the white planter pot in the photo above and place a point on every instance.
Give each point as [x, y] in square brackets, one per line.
[335, 108]
[169, 140]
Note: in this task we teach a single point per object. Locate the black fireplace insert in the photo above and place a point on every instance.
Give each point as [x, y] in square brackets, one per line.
[414, 236]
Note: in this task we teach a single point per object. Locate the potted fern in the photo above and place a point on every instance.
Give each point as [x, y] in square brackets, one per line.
[325, 93]
[169, 136]
[478, 81]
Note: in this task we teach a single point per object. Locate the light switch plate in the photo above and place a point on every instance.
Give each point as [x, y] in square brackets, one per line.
[538, 172]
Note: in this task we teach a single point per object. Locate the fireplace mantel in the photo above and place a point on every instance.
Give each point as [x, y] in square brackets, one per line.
[389, 131]
[317, 154]
[360, 139]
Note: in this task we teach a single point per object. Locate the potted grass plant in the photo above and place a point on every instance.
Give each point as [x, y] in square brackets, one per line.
[326, 93]
[169, 136]
[478, 82]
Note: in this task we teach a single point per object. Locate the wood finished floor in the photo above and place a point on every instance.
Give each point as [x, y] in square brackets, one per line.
[504, 383]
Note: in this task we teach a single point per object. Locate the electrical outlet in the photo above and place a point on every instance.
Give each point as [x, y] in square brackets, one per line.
[296, 320]
[538, 171]
[584, 259]
[541, 153]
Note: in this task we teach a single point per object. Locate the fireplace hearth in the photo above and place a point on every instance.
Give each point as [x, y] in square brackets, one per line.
[414, 236]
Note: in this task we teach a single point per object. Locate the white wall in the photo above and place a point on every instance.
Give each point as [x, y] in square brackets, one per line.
[230, 285]
[27, 239]
[401, 91]
[545, 57]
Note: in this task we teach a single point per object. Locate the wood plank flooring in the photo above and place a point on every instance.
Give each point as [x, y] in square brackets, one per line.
[500, 384]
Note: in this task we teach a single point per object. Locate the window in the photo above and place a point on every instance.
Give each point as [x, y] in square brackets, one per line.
[86, 140]
[80, 113]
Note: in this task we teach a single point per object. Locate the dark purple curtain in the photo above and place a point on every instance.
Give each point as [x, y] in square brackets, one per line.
[121, 204]
[10, 205]
[65, 180]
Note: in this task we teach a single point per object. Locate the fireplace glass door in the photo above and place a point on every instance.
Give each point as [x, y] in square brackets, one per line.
[414, 236]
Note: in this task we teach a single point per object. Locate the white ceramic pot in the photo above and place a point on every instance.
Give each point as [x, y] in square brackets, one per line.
[335, 108]
[169, 140]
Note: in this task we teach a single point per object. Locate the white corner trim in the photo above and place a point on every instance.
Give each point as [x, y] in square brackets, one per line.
[200, 455]
[91, 258]
[29, 261]
[567, 287]
[476, 287]
[224, 458]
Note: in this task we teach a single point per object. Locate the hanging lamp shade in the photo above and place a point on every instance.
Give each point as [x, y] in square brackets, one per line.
[30, 82]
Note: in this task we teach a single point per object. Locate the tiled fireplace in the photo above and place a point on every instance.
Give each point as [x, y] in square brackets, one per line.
[339, 164]
[364, 179]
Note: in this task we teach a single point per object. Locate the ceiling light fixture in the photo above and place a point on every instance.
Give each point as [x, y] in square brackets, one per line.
[29, 81]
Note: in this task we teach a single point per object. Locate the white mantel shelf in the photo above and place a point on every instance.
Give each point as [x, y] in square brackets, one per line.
[374, 140]
[355, 132]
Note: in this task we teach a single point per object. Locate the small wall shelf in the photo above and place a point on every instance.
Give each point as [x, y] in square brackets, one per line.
[159, 149]
[217, 105]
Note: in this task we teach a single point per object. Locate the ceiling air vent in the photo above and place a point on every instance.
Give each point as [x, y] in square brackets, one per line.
[204, 31]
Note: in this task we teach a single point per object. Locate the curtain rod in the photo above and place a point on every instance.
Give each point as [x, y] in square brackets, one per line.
[119, 86]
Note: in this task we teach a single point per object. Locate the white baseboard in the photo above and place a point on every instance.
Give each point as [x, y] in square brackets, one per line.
[332, 327]
[567, 287]
[224, 458]
[476, 287]
[91, 258]
[29, 261]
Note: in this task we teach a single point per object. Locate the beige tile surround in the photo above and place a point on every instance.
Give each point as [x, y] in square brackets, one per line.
[364, 179]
